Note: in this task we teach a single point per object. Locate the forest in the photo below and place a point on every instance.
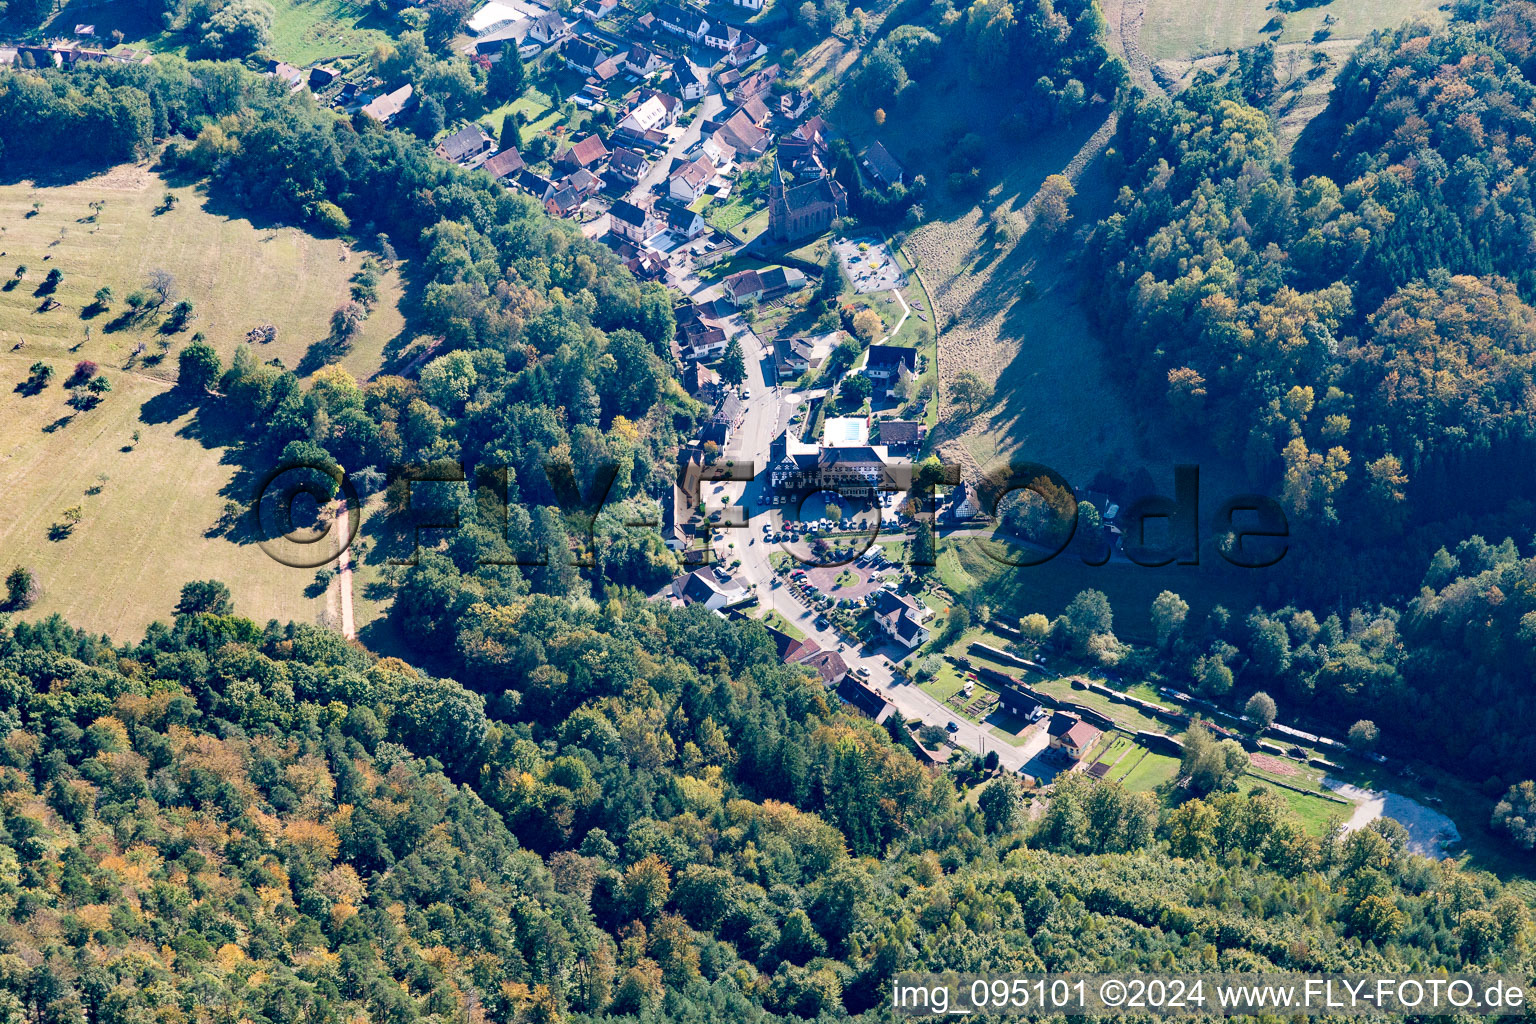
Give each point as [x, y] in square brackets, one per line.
[1354, 324]
[234, 822]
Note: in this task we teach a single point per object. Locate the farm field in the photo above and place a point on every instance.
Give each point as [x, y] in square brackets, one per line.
[237, 275]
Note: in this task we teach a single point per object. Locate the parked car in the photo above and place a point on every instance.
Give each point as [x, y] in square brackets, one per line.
[952, 727]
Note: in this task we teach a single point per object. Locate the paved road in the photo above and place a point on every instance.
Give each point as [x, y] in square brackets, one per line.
[768, 410]
[712, 103]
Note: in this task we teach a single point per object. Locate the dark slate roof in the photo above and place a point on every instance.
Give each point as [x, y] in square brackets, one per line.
[866, 700]
[881, 164]
[891, 355]
[628, 212]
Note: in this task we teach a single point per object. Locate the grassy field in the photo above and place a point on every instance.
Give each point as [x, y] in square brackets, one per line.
[1317, 813]
[237, 275]
[150, 525]
[1175, 29]
[783, 625]
[303, 33]
[1147, 773]
[145, 533]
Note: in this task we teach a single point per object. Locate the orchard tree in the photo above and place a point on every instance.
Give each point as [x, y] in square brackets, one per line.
[198, 367]
[1088, 616]
[240, 28]
[1515, 815]
[1169, 611]
[867, 325]
[1210, 765]
[968, 389]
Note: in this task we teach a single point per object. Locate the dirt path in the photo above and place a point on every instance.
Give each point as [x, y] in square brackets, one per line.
[344, 575]
[1125, 18]
[1429, 832]
[906, 311]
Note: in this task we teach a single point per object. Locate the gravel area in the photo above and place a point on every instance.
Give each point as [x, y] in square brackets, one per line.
[1430, 833]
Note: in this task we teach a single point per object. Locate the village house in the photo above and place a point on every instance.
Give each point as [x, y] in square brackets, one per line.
[794, 102]
[755, 111]
[804, 158]
[294, 78]
[746, 50]
[722, 37]
[584, 182]
[386, 108]
[596, 10]
[751, 5]
[1071, 736]
[794, 356]
[688, 181]
[881, 166]
[606, 71]
[680, 220]
[755, 84]
[757, 286]
[862, 697]
[807, 653]
[904, 436]
[627, 164]
[643, 263]
[964, 502]
[670, 103]
[681, 21]
[536, 185]
[700, 335]
[504, 165]
[629, 221]
[565, 202]
[887, 365]
[900, 617]
[648, 115]
[651, 141]
[549, 31]
[589, 153]
[746, 138]
[643, 61]
[468, 146]
[582, 55]
[712, 587]
[743, 287]
[692, 80]
[701, 382]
